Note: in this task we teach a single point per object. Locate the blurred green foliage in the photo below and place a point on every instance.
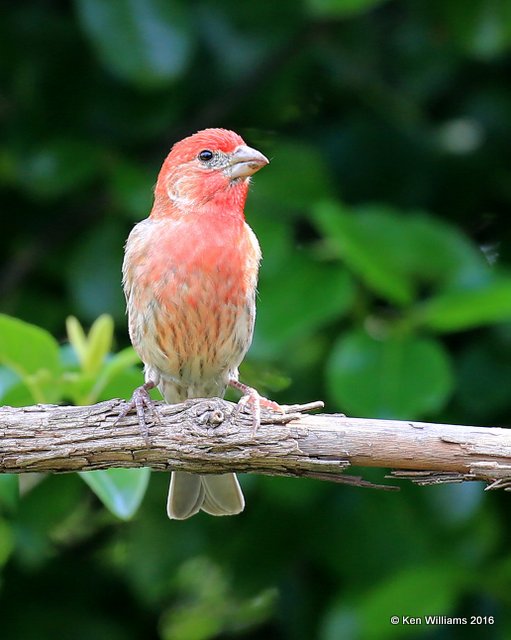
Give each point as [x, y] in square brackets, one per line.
[385, 289]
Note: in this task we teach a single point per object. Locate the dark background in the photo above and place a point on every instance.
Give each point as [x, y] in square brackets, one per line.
[387, 199]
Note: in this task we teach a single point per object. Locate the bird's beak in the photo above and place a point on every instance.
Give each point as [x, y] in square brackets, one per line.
[245, 161]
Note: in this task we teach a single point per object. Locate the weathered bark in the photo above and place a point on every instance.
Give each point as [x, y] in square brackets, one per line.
[214, 436]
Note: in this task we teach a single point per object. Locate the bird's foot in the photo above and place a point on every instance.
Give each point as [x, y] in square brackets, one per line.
[142, 402]
[255, 401]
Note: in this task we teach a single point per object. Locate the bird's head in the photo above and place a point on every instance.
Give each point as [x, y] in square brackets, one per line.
[211, 167]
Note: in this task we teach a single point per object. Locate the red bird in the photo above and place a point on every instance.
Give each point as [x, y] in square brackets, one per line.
[189, 275]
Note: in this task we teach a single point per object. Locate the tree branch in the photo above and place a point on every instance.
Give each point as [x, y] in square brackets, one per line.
[215, 436]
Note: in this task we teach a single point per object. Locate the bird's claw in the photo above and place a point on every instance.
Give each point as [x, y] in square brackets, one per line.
[141, 401]
[255, 401]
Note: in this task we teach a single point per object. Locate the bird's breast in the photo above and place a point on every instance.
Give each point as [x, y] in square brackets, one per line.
[190, 286]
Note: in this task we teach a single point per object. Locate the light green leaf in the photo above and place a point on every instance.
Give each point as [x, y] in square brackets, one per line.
[467, 308]
[120, 361]
[18, 395]
[123, 384]
[77, 338]
[26, 348]
[118, 370]
[33, 354]
[144, 41]
[98, 368]
[99, 343]
[401, 377]
[120, 490]
[13, 391]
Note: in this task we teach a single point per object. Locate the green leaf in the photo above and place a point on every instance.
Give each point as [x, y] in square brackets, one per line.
[340, 8]
[13, 391]
[484, 375]
[99, 343]
[100, 373]
[264, 377]
[481, 28]
[123, 384]
[304, 172]
[454, 504]
[416, 592]
[7, 541]
[210, 607]
[465, 309]
[94, 274]
[369, 242]
[436, 253]
[120, 490]
[9, 491]
[59, 167]
[18, 395]
[77, 338]
[398, 255]
[276, 239]
[146, 42]
[117, 378]
[120, 361]
[132, 189]
[26, 348]
[401, 377]
[62, 496]
[303, 297]
[33, 354]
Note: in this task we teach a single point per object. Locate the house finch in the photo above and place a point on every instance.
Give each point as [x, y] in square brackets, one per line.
[189, 276]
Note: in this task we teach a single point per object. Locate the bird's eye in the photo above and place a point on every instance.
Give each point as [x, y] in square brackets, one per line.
[205, 155]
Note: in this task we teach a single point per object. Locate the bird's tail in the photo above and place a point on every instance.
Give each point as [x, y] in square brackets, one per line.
[218, 495]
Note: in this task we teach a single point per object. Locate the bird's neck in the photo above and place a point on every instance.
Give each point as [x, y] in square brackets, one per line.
[229, 201]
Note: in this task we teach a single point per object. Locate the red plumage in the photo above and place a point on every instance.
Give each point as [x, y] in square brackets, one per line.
[190, 275]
